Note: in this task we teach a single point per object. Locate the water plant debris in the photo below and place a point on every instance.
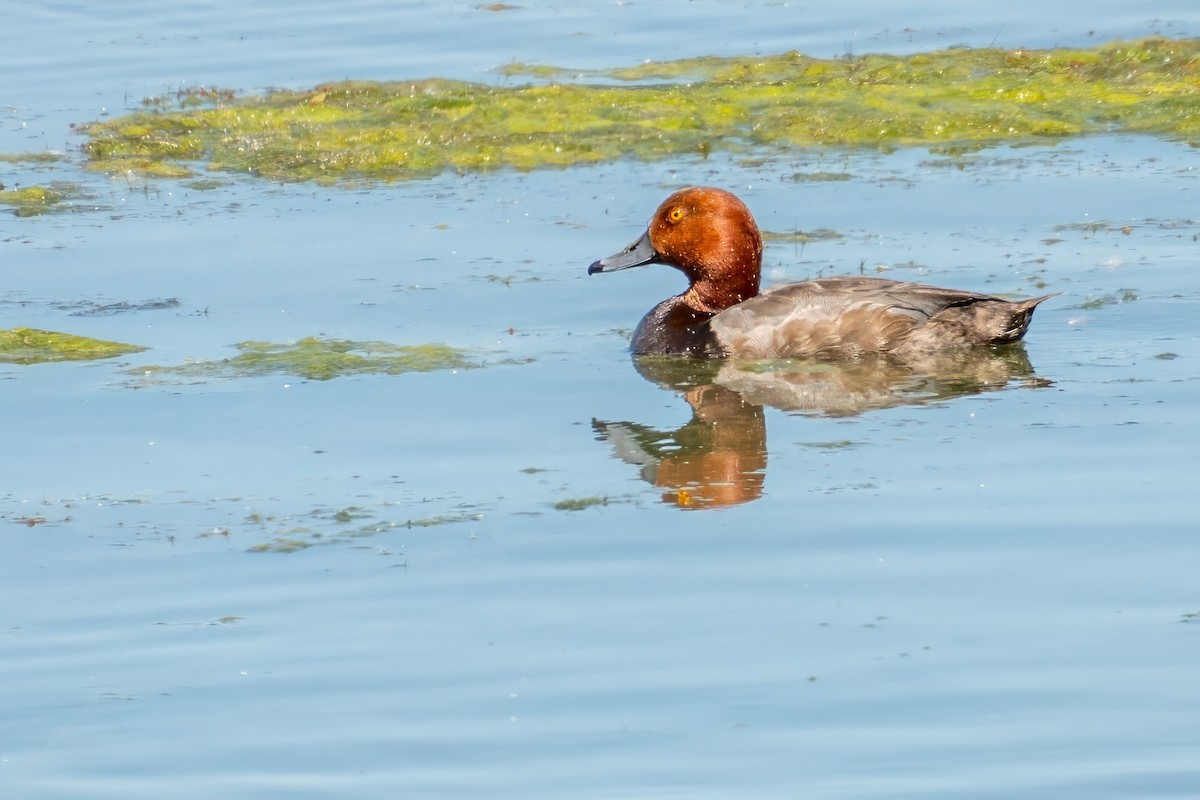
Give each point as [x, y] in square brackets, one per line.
[317, 359]
[32, 201]
[949, 100]
[32, 346]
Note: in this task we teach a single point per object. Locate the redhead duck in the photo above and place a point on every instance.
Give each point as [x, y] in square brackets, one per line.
[711, 237]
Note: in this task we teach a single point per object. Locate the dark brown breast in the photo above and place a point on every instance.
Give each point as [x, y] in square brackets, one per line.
[674, 328]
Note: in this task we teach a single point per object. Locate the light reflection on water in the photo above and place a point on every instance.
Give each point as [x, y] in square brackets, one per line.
[986, 595]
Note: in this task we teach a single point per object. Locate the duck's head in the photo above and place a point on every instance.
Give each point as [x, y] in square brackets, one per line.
[710, 236]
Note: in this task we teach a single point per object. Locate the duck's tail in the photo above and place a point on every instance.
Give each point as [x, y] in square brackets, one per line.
[973, 320]
[1015, 318]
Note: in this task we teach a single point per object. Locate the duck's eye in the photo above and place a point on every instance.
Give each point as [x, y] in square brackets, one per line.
[675, 214]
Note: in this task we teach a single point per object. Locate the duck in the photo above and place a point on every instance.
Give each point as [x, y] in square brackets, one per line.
[710, 235]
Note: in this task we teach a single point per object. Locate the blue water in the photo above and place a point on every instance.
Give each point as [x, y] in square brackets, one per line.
[986, 596]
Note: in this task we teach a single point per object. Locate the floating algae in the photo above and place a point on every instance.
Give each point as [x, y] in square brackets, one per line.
[31, 346]
[43, 157]
[318, 359]
[348, 528]
[32, 201]
[580, 503]
[957, 98]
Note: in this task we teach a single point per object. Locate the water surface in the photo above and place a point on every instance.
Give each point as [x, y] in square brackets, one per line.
[987, 595]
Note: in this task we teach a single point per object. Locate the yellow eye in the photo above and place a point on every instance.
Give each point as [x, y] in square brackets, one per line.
[675, 214]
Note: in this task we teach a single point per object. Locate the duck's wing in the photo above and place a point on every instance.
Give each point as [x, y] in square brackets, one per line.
[846, 317]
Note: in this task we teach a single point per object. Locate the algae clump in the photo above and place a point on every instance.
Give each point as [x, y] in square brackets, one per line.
[43, 157]
[32, 201]
[318, 359]
[32, 346]
[580, 503]
[954, 98]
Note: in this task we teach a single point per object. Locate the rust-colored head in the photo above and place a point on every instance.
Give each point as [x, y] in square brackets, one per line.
[709, 235]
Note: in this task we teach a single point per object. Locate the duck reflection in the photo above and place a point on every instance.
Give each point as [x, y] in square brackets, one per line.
[719, 457]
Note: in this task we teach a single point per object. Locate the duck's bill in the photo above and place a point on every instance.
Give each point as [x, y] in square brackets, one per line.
[635, 255]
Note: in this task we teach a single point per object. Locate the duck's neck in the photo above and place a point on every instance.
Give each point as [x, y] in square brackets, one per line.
[731, 270]
[709, 298]
[727, 285]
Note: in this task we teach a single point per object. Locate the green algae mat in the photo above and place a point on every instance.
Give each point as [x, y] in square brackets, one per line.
[315, 358]
[950, 100]
[32, 346]
[33, 201]
[312, 358]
